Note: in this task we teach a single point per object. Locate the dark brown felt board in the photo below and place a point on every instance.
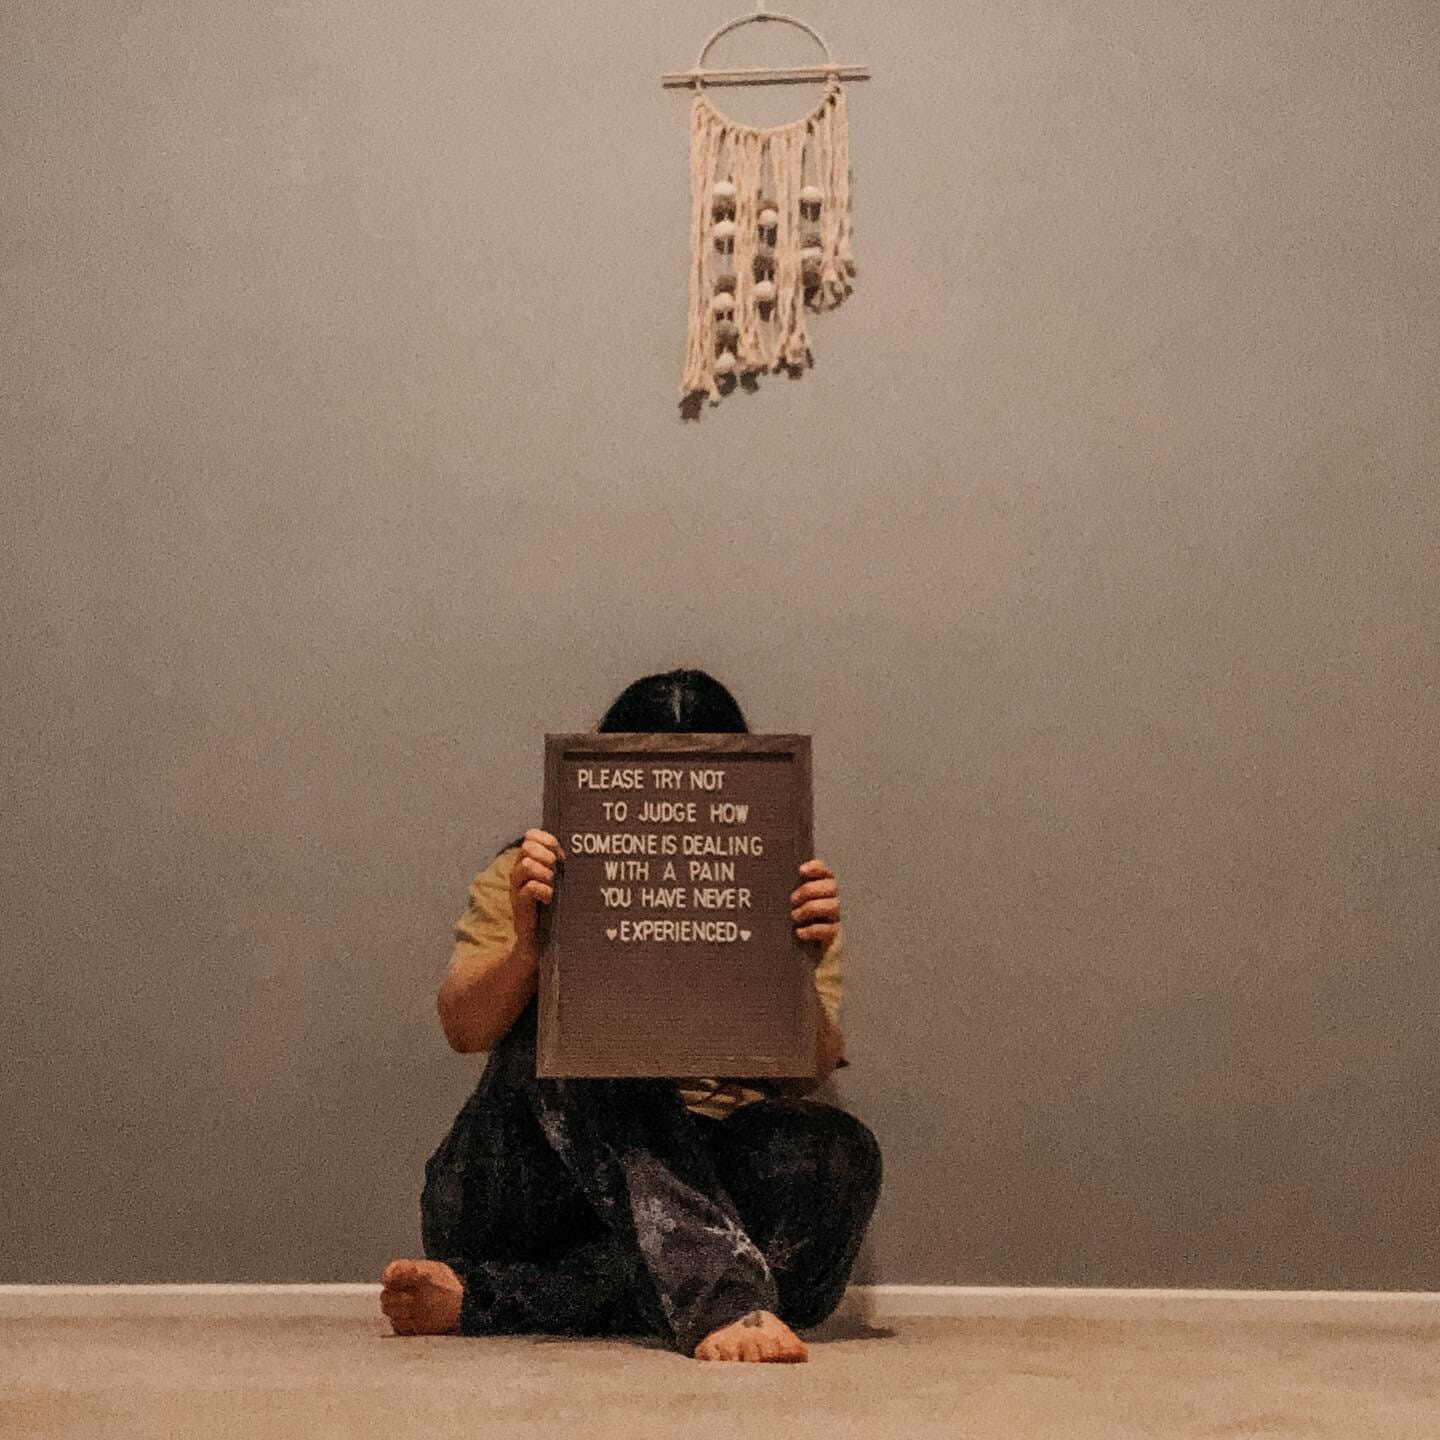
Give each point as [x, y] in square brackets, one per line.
[670, 950]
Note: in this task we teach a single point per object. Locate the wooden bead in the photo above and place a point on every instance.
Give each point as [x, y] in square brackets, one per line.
[725, 363]
[769, 217]
[765, 291]
[724, 231]
[723, 303]
[724, 284]
[727, 332]
[723, 190]
[812, 195]
[810, 240]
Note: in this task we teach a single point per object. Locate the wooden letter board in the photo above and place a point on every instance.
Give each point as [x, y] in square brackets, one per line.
[670, 948]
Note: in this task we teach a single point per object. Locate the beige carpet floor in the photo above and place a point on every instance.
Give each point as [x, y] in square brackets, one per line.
[122, 1378]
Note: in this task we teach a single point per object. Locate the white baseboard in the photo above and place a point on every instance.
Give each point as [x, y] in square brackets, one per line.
[1387, 1308]
[874, 1304]
[166, 1302]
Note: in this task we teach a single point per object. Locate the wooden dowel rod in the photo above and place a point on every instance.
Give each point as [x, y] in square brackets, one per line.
[794, 75]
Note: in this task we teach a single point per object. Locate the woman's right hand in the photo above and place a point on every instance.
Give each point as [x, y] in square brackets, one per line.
[532, 881]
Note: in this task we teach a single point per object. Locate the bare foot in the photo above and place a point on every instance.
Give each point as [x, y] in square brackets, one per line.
[421, 1297]
[756, 1336]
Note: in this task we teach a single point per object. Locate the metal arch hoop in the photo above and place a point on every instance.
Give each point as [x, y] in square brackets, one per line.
[759, 17]
[699, 77]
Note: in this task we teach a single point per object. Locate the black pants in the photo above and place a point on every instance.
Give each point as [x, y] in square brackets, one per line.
[605, 1207]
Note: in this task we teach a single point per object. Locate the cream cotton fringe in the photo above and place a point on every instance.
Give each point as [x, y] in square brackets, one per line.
[775, 165]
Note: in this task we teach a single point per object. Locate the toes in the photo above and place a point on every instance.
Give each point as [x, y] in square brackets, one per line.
[717, 1347]
[754, 1348]
[401, 1274]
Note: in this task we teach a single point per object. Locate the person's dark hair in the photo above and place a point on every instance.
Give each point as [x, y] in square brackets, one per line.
[679, 702]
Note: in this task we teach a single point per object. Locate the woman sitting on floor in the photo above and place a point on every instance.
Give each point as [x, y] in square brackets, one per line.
[710, 1213]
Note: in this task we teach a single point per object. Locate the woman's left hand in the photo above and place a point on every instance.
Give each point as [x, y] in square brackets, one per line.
[815, 905]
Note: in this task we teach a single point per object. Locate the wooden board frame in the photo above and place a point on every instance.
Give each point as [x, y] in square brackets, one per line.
[562, 1053]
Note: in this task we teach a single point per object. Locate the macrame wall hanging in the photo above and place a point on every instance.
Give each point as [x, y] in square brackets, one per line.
[769, 222]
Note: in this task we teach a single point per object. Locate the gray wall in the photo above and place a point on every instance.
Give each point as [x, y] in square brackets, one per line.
[341, 459]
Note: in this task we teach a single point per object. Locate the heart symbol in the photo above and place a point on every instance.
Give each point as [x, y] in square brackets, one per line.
[611, 934]
[744, 934]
